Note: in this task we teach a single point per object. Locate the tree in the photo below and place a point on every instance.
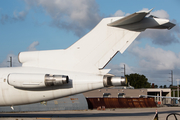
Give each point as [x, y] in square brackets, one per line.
[138, 81]
[165, 86]
[155, 86]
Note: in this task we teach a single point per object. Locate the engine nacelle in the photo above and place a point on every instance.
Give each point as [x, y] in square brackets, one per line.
[110, 80]
[27, 80]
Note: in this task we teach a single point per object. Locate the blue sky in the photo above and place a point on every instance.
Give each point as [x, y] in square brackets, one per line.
[27, 25]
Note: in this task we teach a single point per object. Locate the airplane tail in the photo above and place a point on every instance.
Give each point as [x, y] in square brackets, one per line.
[92, 52]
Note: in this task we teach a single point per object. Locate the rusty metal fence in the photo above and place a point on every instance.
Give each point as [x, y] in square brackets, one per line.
[94, 103]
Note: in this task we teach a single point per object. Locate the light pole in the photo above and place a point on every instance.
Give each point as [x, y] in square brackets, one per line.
[171, 77]
[10, 61]
[178, 88]
[124, 70]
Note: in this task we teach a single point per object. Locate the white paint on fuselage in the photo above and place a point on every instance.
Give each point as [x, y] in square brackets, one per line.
[79, 82]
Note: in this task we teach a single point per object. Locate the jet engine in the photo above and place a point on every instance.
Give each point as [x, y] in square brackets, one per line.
[27, 80]
[110, 80]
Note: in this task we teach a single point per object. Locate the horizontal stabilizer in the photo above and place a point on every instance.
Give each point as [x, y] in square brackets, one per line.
[139, 22]
[168, 26]
[133, 18]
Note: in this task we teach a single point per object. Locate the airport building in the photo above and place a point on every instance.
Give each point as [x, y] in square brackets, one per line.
[125, 92]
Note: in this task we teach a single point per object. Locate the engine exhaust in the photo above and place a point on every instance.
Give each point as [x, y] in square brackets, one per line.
[110, 80]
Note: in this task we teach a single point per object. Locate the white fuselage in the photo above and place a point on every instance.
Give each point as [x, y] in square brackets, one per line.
[78, 82]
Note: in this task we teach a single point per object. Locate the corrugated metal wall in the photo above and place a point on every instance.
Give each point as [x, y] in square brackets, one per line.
[94, 103]
[75, 102]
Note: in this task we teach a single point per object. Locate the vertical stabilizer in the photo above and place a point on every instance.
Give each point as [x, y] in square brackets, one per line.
[92, 52]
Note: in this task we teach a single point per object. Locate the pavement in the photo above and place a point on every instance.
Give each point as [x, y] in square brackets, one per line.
[107, 114]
